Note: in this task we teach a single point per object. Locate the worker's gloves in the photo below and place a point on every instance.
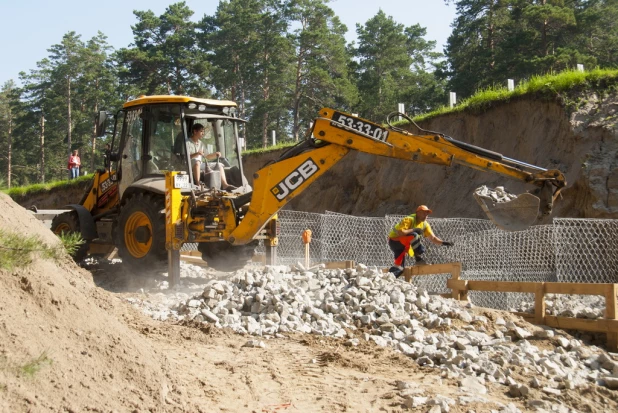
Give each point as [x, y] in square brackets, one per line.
[447, 244]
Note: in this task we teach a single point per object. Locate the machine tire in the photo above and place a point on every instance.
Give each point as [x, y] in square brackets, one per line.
[67, 222]
[223, 256]
[140, 235]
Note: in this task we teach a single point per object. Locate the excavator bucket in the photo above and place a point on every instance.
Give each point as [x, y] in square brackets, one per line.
[510, 213]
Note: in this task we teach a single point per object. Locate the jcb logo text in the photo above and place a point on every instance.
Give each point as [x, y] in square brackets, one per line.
[295, 179]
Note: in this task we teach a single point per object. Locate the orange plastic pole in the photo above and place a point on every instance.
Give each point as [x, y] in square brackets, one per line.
[307, 241]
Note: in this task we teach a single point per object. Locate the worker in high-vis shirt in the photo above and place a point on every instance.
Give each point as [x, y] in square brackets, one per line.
[405, 238]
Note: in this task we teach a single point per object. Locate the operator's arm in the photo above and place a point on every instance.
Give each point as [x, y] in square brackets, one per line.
[213, 155]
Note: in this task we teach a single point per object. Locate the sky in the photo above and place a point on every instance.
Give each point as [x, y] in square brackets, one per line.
[30, 27]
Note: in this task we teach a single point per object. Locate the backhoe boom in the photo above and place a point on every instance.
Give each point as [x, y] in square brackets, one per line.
[335, 133]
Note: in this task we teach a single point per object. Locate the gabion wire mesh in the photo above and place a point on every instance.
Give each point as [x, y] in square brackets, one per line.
[291, 248]
[570, 250]
[361, 239]
[586, 250]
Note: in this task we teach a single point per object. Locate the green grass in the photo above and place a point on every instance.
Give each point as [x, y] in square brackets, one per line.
[21, 191]
[256, 151]
[17, 251]
[550, 85]
[28, 369]
[32, 367]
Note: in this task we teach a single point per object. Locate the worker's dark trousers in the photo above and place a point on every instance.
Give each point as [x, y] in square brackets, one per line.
[401, 246]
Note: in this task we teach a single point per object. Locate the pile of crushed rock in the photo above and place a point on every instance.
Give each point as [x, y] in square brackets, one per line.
[367, 304]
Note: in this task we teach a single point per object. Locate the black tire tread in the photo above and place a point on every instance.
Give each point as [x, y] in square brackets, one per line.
[70, 218]
[150, 204]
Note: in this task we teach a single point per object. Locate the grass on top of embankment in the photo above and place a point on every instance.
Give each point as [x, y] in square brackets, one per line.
[551, 85]
[21, 191]
[258, 151]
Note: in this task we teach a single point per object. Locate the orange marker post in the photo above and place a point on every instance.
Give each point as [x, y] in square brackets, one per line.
[307, 241]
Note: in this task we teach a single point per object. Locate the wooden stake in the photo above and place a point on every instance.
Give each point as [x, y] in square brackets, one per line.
[611, 310]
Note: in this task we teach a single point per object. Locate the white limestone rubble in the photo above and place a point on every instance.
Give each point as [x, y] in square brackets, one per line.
[366, 304]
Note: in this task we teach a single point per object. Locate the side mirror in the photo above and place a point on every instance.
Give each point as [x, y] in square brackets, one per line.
[101, 123]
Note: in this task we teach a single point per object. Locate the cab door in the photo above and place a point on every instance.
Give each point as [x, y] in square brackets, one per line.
[131, 159]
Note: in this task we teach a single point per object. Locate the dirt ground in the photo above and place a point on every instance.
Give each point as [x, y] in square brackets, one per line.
[68, 345]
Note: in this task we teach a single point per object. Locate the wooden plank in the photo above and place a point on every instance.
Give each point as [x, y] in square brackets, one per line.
[575, 288]
[430, 269]
[456, 272]
[539, 304]
[611, 311]
[342, 265]
[457, 284]
[502, 286]
[600, 325]
[191, 253]
[194, 260]
[459, 289]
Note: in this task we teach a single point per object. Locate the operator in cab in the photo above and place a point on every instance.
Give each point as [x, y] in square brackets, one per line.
[405, 238]
[196, 150]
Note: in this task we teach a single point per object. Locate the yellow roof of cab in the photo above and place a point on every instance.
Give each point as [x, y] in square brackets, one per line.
[143, 100]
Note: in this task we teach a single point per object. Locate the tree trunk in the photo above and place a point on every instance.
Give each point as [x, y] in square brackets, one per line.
[297, 95]
[490, 36]
[69, 113]
[94, 131]
[544, 45]
[265, 96]
[10, 149]
[42, 143]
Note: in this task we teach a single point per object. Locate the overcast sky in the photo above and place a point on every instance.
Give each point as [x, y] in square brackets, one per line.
[30, 27]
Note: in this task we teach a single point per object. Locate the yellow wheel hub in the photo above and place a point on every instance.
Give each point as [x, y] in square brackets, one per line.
[63, 228]
[137, 225]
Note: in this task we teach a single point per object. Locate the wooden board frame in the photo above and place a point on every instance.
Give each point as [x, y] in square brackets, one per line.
[608, 324]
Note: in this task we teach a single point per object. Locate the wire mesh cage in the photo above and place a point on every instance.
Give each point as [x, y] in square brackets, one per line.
[569, 250]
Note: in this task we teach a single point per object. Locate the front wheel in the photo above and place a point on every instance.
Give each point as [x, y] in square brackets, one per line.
[67, 223]
[140, 235]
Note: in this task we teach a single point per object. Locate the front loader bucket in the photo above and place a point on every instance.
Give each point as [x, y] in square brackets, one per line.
[514, 215]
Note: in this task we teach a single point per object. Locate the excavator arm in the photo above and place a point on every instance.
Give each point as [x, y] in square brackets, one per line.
[335, 133]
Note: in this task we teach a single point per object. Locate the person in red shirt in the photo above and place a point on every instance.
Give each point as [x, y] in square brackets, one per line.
[74, 164]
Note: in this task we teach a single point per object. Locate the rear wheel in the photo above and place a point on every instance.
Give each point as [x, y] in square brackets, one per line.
[140, 236]
[67, 223]
[223, 256]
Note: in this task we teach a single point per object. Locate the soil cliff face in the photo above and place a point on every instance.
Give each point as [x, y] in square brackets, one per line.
[583, 145]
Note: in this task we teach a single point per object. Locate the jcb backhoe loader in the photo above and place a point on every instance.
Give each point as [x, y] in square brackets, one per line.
[148, 178]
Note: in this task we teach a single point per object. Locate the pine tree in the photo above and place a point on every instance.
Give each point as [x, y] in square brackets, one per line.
[67, 67]
[321, 62]
[393, 65]
[8, 103]
[165, 58]
[246, 42]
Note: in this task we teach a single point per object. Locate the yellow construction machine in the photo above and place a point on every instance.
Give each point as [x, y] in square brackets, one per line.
[145, 202]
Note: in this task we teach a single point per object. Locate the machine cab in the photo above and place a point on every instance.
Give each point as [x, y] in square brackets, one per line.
[151, 136]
